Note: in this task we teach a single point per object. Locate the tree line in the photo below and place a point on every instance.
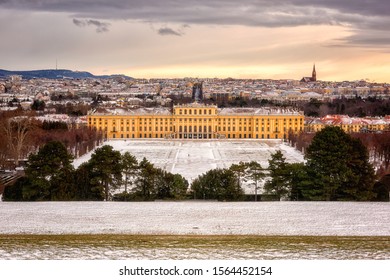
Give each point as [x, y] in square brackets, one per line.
[50, 176]
[358, 107]
[21, 134]
[337, 168]
[377, 144]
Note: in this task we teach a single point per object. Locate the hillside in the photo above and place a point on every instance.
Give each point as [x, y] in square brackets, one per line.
[56, 74]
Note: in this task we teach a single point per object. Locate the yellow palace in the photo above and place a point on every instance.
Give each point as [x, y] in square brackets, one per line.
[197, 121]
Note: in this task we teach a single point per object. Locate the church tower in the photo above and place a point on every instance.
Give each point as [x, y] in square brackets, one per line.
[314, 73]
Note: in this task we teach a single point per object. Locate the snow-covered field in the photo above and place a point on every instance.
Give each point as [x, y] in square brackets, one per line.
[197, 217]
[193, 158]
[194, 230]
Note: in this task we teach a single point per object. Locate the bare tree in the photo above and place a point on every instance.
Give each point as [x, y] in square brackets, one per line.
[16, 131]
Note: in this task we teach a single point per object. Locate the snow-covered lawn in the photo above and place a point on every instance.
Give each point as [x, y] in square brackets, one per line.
[197, 218]
[193, 158]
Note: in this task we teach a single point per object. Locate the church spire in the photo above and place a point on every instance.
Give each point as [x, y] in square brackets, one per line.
[314, 73]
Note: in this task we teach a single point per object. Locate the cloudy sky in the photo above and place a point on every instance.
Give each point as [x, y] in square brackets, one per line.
[346, 39]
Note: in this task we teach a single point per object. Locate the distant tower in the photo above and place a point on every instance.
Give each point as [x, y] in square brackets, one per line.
[314, 73]
[197, 91]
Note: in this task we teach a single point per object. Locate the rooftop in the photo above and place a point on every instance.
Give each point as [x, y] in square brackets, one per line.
[142, 111]
[222, 112]
[259, 111]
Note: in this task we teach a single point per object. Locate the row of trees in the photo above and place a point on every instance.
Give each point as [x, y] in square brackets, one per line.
[377, 144]
[336, 168]
[21, 134]
[359, 107]
[50, 176]
[226, 184]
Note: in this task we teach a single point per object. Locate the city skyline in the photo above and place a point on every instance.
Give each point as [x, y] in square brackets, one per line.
[205, 39]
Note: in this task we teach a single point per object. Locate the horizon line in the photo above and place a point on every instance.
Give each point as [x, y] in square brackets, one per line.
[189, 77]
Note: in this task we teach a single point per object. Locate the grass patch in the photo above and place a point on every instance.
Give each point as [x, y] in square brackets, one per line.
[194, 246]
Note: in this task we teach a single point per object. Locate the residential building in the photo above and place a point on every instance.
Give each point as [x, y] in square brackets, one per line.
[348, 124]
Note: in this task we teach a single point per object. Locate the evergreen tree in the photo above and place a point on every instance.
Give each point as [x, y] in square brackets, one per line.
[219, 184]
[298, 180]
[255, 173]
[129, 168]
[339, 168]
[50, 174]
[145, 182]
[239, 171]
[170, 186]
[382, 189]
[106, 170]
[279, 183]
[15, 191]
[86, 190]
[179, 186]
[362, 175]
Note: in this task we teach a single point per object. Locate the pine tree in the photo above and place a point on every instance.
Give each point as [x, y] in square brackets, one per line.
[338, 167]
[298, 180]
[106, 170]
[170, 186]
[129, 167]
[239, 171]
[278, 184]
[255, 173]
[218, 184]
[50, 173]
[145, 182]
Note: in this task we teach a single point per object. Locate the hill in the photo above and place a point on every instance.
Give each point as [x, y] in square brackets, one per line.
[56, 74]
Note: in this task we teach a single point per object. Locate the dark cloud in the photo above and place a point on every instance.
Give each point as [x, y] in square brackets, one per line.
[100, 26]
[363, 7]
[244, 12]
[373, 39]
[360, 15]
[79, 23]
[168, 31]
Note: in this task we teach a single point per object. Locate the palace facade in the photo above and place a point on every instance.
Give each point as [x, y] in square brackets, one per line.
[197, 121]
